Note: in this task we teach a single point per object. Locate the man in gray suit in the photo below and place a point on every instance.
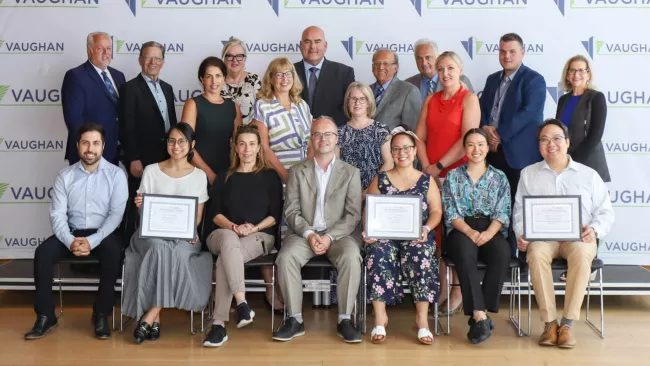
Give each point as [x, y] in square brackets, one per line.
[398, 102]
[426, 54]
[322, 209]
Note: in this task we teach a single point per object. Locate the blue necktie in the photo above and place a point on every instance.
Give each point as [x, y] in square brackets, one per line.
[311, 88]
[432, 87]
[379, 93]
[109, 86]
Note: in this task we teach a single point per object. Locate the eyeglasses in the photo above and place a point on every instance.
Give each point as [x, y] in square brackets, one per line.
[579, 71]
[556, 140]
[320, 135]
[239, 57]
[287, 74]
[396, 150]
[153, 59]
[383, 63]
[180, 142]
[361, 100]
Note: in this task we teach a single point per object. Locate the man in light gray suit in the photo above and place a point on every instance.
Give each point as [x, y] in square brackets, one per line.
[322, 209]
[426, 54]
[398, 102]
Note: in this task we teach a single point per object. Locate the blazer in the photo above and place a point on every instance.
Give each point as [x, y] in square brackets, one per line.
[342, 199]
[333, 81]
[400, 104]
[142, 127]
[586, 130]
[417, 78]
[521, 114]
[84, 98]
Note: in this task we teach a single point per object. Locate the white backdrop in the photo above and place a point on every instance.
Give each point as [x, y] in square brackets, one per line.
[41, 39]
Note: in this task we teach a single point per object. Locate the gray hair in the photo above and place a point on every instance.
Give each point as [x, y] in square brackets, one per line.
[426, 42]
[383, 49]
[152, 44]
[327, 118]
[232, 42]
[90, 40]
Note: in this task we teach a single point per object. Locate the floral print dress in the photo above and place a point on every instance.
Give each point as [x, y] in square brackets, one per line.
[391, 263]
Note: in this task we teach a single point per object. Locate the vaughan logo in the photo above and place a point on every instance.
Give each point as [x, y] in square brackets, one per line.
[630, 198]
[29, 96]
[334, 4]
[556, 92]
[603, 48]
[25, 194]
[627, 246]
[29, 47]
[126, 47]
[183, 4]
[477, 4]
[600, 4]
[31, 145]
[626, 147]
[627, 98]
[183, 95]
[49, 3]
[476, 47]
[355, 46]
[284, 48]
[21, 242]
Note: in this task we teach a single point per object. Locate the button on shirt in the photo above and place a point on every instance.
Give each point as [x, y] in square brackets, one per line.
[83, 200]
[576, 179]
[322, 178]
[308, 66]
[159, 96]
[498, 98]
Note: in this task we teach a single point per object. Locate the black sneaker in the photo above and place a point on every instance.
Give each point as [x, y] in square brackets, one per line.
[245, 315]
[217, 336]
[479, 331]
[154, 334]
[289, 330]
[348, 332]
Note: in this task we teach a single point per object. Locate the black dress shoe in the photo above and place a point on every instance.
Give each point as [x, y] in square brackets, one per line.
[154, 334]
[141, 332]
[102, 330]
[471, 321]
[42, 325]
[479, 331]
[348, 332]
[289, 330]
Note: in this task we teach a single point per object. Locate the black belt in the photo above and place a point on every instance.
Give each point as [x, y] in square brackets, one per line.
[478, 217]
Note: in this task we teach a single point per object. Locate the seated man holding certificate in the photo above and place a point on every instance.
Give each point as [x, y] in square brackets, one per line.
[323, 209]
[88, 201]
[391, 262]
[247, 208]
[476, 200]
[559, 175]
[161, 272]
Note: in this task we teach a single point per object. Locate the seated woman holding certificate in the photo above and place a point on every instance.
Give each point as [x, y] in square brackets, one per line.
[167, 273]
[391, 262]
[246, 207]
[476, 201]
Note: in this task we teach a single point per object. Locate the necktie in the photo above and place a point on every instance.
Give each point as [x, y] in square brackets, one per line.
[109, 86]
[431, 87]
[379, 93]
[312, 85]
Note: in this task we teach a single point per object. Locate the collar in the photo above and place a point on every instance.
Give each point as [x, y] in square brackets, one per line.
[99, 71]
[385, 85]
[511, 76]
[573, 165]
[308, 66]
[426, 79]
[101, 166]
[148, 79]
[329, 167]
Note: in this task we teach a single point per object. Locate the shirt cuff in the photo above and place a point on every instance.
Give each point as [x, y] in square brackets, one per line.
[331, 238]
[67, 240]
[94, 240]
[307, 233]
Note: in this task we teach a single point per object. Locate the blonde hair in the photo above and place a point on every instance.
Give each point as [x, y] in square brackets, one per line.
[261, 161]
[365, 89]
[232, 42]
[267, 91]
[457, 60]
[565, 82]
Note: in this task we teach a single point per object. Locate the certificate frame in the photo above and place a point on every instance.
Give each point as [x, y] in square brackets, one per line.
[377, 204]
[535, 230]
[185, 230]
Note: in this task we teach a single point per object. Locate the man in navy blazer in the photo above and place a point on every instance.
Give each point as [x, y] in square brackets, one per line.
[89, 94]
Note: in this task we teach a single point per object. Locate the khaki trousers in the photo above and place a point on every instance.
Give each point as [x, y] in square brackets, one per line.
[579, 256]
[233, 251]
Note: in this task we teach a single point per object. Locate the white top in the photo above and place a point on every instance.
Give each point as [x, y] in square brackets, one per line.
[576, 179]
[154, 181]
[110, 77]
[322, 178]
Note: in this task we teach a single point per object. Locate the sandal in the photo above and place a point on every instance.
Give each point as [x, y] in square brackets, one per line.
[423, 334]
[378, 334]
[452, 311]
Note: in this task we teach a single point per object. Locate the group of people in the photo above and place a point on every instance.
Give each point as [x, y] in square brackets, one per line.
[330, 140]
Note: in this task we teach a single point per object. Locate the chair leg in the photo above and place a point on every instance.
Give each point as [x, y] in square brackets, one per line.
[448, 276]
[272, 299]
[365, 299]
[601, 331]
[122, 301]
[530, 308]
[518, 280]
[58, 271]
[436, 320]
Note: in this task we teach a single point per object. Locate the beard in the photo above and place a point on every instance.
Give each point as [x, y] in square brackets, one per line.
[92, 161]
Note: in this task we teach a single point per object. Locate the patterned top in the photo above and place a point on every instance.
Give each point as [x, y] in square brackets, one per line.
[244, 94]
[490, 196]
[289, 131]
[362, 148]
[420, 188]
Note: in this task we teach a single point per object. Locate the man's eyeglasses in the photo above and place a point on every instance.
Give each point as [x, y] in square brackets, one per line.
[383, 63]
[153, 59]
[239, 57]
[396, 150]
[180, 142]
[556, 140]
[320, 135]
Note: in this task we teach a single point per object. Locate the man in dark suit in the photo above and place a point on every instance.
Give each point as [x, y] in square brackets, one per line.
[324, 82]
[89, 95]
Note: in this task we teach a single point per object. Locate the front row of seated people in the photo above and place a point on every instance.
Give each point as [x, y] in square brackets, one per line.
[323, 211]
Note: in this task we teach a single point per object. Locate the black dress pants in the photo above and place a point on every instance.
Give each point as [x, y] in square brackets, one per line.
[466, 254]
[109, 254]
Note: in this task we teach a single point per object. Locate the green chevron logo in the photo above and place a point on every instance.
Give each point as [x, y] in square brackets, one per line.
[478, 45]
[3, 188]
[2, 41]
[599, 45]
[1, 140]
[120, 42]
[3, 91]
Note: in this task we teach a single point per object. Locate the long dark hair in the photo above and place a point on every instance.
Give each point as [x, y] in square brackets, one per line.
[187, 131]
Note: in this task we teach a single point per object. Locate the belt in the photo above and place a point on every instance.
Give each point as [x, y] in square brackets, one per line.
[478, 217]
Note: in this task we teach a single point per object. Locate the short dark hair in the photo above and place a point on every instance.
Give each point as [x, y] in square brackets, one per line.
[91, 127]
[554, 122]
[212, 61]
[472, 131]
[509, 37]
[152, 44]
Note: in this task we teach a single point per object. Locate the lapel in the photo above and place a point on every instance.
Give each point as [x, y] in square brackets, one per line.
[300, 70]
[578, 122]
[309, 175]
[387, 94]
[335, 178]
[513, 89]
[97, 79]
[323, 75]
[144, 88]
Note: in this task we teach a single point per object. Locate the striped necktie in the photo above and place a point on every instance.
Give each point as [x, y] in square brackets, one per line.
[379, 93]
[109, 86]
[431, 87]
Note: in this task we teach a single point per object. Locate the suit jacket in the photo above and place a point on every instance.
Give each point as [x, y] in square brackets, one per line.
[142, 127]
[84, 98]
[333, 82]
[521, 114]
[417, 78]
[586, 130]
[400, 104]
[342, 199]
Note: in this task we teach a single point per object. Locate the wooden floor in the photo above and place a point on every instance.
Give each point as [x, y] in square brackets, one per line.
[72, 343]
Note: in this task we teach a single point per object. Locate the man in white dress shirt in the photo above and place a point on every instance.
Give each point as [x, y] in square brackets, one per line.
[558, 174]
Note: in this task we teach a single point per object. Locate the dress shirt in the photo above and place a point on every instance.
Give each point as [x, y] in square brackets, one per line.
[322, 178]
[308, 73]
[576, 179]
[83, 200]
[159, 96]
[385, 86]
[499, 96]
[110, 77]
[424, 85]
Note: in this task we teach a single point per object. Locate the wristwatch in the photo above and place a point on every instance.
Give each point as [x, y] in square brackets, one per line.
[440, 166]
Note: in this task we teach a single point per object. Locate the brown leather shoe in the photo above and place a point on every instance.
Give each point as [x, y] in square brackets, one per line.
[549, 337]
[565, 337]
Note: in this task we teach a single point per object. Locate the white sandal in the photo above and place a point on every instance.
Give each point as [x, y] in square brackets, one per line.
[378, 331]
[424, 333]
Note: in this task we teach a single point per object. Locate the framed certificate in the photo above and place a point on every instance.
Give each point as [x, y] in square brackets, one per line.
[552, 218]
[393, 217]
[168, 217]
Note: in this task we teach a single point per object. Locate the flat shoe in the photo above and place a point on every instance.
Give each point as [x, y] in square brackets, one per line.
[378, 331]
[423, 334]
